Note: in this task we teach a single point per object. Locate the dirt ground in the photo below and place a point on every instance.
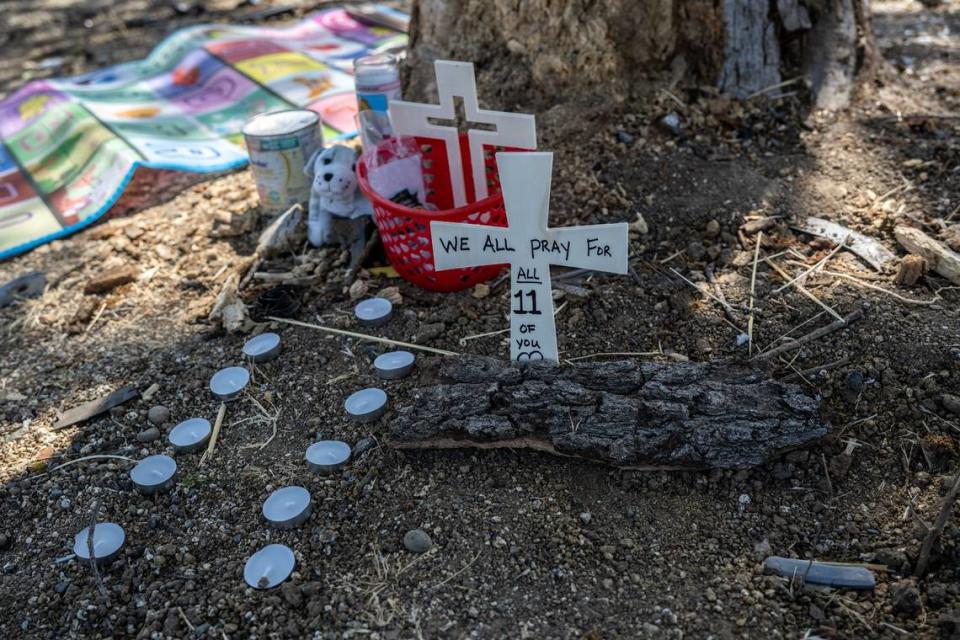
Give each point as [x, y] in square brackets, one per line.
[524, 545]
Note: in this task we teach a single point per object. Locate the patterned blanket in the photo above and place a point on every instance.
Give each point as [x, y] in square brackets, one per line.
[68, 147]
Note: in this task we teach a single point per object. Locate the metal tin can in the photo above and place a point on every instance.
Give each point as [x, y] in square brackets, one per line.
[279, 144]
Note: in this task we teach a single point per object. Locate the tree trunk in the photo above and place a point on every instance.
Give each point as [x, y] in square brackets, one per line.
[558, 49]
[629, 414]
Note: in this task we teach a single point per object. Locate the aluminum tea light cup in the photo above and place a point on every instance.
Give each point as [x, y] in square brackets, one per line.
[374, 312]
[288, 507]
[190, 435]
[262, 348]
[154, 474]
[108, 539]
[269, 567]
[366, 405]
[328, 456]
[394, 364]
[227, 384]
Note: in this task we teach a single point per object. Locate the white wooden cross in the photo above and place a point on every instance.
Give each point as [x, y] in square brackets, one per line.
[456, 79]
[529, 246]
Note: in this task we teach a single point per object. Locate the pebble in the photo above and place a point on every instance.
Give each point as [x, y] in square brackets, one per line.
[586, 517]
[713, 229]
[951, 403]
[158, 414]
[65, 504]
[61, 587]
[149, 435]
[855, 381]
[4, 541]
[696, 251]
[291, 593]
[624, 137]
[363, 445]
[905, 598]
[417, 541]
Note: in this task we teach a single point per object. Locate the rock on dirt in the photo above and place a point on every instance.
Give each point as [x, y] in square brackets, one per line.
[158, 415]
[951, 403]
[417, 541]
[111, 279]
[905, 598]
[148, 436]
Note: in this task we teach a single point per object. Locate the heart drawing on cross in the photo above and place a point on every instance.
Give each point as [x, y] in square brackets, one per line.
[439, 121]
[530, 247]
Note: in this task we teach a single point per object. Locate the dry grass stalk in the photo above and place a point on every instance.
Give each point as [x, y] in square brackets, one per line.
[216, 432]
[753, 289]
[363, 336]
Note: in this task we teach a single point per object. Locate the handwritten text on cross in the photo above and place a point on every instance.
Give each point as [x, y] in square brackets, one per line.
[456, 79]
[529, 246]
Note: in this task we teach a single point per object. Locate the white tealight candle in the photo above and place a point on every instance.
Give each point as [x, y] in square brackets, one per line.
[154, 474]
[366, 405]
[269, 567]
[327, 456]
[288, 507]
[374, 312]
[394, 364]
[108, 538]
[227, 383]
[190, 435]
[262, 348]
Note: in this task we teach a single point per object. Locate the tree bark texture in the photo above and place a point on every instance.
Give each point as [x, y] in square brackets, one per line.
[558, 49]
[628, 414]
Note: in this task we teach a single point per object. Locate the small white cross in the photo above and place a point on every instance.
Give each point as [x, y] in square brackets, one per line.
[529, 246]
[456, 79]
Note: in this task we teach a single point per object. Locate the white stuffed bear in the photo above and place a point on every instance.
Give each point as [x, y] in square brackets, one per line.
[338, 211]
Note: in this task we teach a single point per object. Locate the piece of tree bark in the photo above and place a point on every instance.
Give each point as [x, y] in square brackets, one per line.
[912, 269]
[629, 414]
[550, 49]
[111, 279]
[939, 257]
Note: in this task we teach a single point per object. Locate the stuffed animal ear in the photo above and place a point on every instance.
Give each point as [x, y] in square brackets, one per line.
[308, 168]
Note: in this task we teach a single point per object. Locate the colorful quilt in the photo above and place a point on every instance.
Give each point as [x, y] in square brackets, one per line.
[68, 147]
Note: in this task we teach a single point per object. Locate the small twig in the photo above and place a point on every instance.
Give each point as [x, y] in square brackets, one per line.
[363, 336]
[463, 341]
[184, 616]
[826, 474]
[813, 335]
[216, 432]
[94, 512]
[95, 318]
[893, 294]
[945, 511]
[84, 459]
[753, 289]
[804, 290]
[625, 354]
[820, 263]
[823, 367]
[726, 306]
[773, 87]
[454, 575]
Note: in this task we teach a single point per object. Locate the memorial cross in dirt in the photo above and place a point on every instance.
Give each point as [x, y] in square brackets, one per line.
[530, 247]
[439, 121]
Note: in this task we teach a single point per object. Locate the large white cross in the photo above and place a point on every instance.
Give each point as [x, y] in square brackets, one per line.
[456, 79]
[529, 246]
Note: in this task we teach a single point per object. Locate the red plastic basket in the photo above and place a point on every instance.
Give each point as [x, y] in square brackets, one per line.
[405, 231]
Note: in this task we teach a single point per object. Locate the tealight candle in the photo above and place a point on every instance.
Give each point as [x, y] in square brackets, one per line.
[227, 383]
[366, 405]
[394, 364]
[288, 507]
[327, 456]
[108, 538]
[374, 312]
[262, 348]
[154, 474]
[190, 435]
[269, 567]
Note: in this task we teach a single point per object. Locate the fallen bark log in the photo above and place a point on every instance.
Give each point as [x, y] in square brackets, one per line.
[629, 414]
